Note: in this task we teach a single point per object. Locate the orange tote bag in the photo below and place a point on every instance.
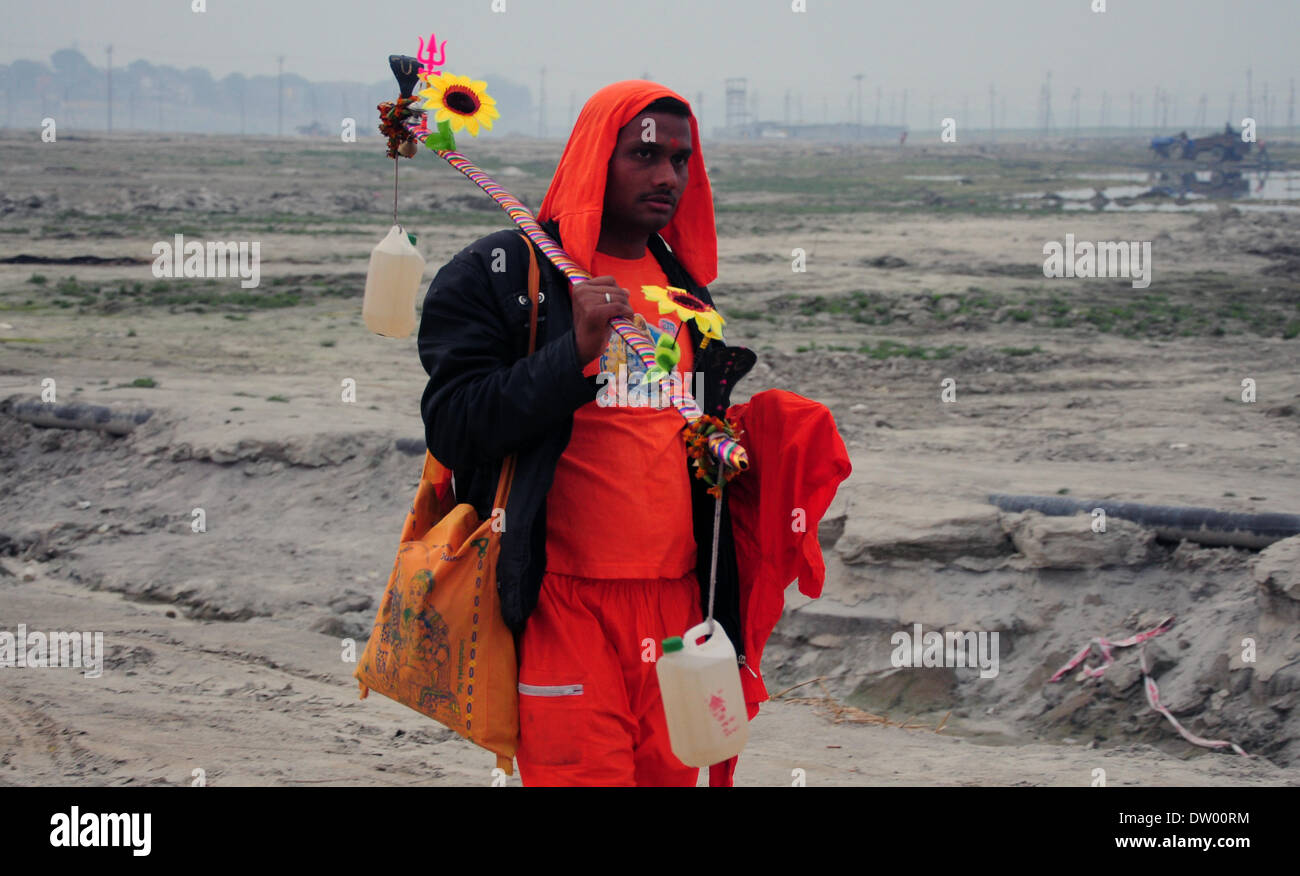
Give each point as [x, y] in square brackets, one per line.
[439, 644]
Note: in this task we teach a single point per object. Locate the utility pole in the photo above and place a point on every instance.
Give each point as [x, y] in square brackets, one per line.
[573, 103]
[1105, 110]
[699, 110]
[786, 108]
[541, 107]
[992, 100]
[1290, 109]
[1047, 105]
[1250, 97]
[859, 78]
[279, 100]
[109, 51]
[1201, 108]
[1232, 105]
[242, 127]
[903, 120]
[1074, 109]
[878, 94]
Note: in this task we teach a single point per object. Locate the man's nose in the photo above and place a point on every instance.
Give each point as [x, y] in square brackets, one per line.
[665, 174]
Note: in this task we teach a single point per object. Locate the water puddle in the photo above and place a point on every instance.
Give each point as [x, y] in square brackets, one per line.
[1193, 191]
[1127, 177]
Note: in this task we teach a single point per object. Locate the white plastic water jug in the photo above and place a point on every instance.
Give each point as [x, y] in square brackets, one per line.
[392, 282]
[703, 700]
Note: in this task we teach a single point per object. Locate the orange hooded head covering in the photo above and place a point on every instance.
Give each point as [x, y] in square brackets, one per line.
[576, 197]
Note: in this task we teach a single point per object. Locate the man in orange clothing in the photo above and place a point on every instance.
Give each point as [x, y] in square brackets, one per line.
[607, 532]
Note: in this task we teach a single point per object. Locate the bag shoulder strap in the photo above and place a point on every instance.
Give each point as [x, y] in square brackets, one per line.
[534, 282]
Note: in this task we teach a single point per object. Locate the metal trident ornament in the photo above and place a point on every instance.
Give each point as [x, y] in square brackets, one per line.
[433, 56]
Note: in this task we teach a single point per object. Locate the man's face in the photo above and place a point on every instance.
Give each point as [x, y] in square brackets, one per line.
[647, 172]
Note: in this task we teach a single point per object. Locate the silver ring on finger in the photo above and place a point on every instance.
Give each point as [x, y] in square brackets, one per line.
[607, 298]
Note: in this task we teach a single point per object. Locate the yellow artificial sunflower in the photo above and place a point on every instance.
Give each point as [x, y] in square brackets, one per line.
[462, 101]
[686, 306]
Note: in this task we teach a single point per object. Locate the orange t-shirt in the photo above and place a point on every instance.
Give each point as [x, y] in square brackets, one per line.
[620, 505]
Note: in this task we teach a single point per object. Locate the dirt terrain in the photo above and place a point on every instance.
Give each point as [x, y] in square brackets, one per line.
[224, 646]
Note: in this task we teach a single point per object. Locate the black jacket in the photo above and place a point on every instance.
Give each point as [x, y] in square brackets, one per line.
[487, 398]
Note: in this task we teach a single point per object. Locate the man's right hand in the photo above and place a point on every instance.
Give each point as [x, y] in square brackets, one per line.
[592, 313]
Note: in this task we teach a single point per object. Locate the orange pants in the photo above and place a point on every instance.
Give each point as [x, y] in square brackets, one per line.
[590, 712]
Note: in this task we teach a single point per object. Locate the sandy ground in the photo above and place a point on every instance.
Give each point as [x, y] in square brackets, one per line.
[264, 703]
[224, 647]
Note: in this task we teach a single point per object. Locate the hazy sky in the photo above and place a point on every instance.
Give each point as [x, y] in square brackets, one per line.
[944, 48]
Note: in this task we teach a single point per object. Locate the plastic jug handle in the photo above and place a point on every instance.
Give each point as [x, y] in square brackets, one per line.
[700, 629]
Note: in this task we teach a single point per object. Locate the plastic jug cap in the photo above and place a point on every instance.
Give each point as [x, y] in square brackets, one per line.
[672, 643]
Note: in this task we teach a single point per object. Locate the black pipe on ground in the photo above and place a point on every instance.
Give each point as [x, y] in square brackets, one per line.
[1201, 525]
[77, 415]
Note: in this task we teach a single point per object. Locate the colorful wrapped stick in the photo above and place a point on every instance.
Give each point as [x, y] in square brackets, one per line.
[729, 451]
[711, 437]
[459, 102]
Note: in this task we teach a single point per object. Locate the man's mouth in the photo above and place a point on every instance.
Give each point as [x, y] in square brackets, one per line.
[662, 200]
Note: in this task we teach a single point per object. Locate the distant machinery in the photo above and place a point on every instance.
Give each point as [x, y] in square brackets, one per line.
[1227, 146]
[737, 103]
[1222, 157]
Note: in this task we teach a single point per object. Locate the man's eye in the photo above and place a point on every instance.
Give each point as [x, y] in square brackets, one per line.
[642, 152]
